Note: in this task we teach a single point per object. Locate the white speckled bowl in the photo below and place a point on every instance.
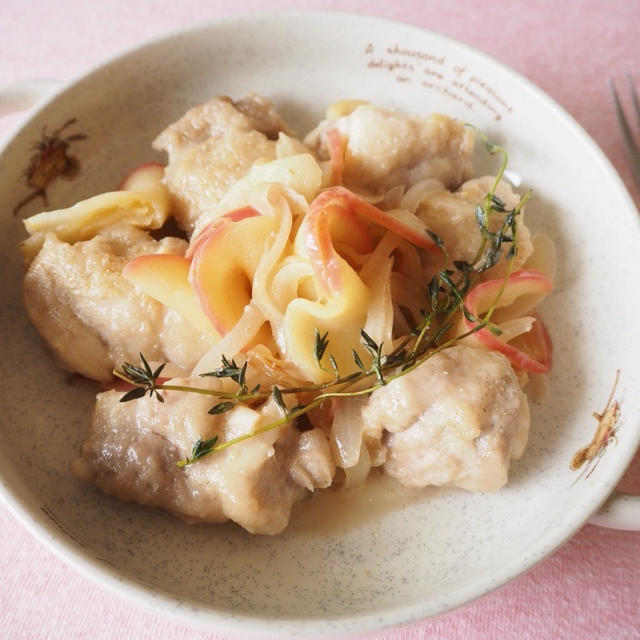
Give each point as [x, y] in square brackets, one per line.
[393, 566]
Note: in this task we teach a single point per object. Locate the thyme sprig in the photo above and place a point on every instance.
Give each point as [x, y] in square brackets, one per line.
[491, 246]
[143, 377]
[445, 292]
[230, 369]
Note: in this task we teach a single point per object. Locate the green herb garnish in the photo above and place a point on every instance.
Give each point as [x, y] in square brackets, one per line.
[446, 292]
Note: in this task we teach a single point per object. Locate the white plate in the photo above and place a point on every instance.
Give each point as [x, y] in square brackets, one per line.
[392, 566]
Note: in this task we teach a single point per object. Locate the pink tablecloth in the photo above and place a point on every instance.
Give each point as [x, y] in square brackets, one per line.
[591, 587]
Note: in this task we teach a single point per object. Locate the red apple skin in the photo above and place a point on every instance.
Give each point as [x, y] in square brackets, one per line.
[335, 212]
[536, 342]
[332, 218]
[342, 221]
[521, 360]
[242, 214]
[321, 252]
[527, 280]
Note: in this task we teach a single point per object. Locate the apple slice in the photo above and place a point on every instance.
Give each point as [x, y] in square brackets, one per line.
[142, 200]
[536, 345]
[337, 145]
[330, 218]
[530, 351]
[301, 173]
[143, 178]
[223, 265]
[333, 216]
[235, 216]
[165, 277]
[340, 314]
[144, 209]
[401, 221]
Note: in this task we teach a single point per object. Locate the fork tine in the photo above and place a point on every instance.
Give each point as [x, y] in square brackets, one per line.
[634, 97]
[632, 147]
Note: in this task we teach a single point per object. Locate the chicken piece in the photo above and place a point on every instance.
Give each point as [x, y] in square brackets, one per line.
[456, 420]
[211, 147]
[92, 318]
[262, 116]
[181, 343]
[452, 217]
[132, 452]
[385, 148]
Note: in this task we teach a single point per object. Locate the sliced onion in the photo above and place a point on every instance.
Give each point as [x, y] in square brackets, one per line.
[346, 431]
[355, 476]
[379, 324]
[407, 294]
[515, 327]
[264, 274]
[407, 260]
[393, 197]
[418, 192]
[287, 146]
[234, 341]
[375, 261]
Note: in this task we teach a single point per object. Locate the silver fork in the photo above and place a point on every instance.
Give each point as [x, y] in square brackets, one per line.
[627, 134]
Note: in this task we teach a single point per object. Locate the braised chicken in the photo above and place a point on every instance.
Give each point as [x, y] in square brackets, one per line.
[132, 452]
[385, 148]
[92, 318]
[211, 147]
[457, 420]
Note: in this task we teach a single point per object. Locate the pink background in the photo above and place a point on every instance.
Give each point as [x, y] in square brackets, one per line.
[591, 587]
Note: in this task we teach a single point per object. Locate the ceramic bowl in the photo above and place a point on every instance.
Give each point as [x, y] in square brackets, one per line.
[362, 568]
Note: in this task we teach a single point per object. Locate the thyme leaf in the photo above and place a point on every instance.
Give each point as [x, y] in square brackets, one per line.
[222, 407]
[200, 449]
[369, 342]
[436, 238]
[320, 346]
[334, 366]
[229, 369]
[358, 361]
[134, 394]
[277, 396]
[434, 292]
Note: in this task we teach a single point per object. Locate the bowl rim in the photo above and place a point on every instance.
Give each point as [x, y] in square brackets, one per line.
[24, 506]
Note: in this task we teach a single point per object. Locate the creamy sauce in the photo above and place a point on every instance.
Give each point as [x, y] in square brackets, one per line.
[335, 511]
